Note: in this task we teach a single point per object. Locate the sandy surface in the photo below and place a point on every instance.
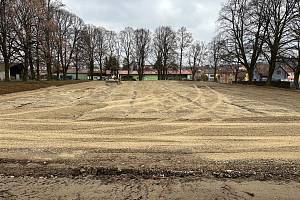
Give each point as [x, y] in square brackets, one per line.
[170, 129]
[77, 189]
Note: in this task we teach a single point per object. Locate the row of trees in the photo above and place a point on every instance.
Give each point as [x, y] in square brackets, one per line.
[259, 30]
[42, 34]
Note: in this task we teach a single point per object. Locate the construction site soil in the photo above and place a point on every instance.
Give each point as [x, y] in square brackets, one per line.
[150, 140]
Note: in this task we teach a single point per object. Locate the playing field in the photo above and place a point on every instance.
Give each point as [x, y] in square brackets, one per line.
[151, 130]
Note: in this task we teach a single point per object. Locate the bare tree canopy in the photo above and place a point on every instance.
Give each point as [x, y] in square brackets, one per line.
[256, 30]
[7, 36]
[127, 47]
[142, 40]
[184, 40]
[42, 35]
[197, 56]
[165, 45]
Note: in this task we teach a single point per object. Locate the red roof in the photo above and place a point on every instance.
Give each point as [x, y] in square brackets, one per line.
[153, 72]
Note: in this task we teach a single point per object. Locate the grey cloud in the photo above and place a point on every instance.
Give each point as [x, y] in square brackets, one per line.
[198, 16]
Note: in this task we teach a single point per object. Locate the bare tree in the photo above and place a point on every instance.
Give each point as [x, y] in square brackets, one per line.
[142, 40]
[112, 42]
[90, 46]
[79, 58]
[242, 22]
[127, 44]
[184, 40]
[37, 35]
[7, 37]
[216, 53]
[197, 56]
[67, 36]
[24, 26]
[296, 33]
[48, 28]
[102, 47]
[291, 57]
[165, 44]
[279, 15]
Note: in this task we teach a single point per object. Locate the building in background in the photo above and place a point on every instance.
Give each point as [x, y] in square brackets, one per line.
[15, 71]
[261, 73]
[151, 74]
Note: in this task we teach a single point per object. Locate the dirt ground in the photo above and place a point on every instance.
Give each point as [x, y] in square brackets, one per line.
[150, 140]
[17, 86]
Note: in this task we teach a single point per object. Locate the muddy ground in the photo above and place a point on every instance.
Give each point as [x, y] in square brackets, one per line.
[150, 140]
[17, 86]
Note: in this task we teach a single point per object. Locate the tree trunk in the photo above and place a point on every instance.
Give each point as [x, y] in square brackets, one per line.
[140, 73]
[297, 73]
[181, 57]
[57, 73]
[194, 74]
[77, 70]
[48, 43]
[271, 71]
[65, 70]
[92, 70]
[31, 66]
[101, 71]
[159, 73]
[7, 69]
[236, 75]
[250, 75]
[49, 71]
[38, 76]
[25, 67]
[128, 65]
[215, 73]
[141, 70]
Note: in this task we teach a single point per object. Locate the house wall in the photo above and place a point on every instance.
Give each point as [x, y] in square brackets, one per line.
[256, 76]
[211, 77]
[227, 78]
[279, 74]
[72, 76]
[82, 77]
[2, 76]
[2, 72]
[291, 77]
[148, 78]
[155, 77]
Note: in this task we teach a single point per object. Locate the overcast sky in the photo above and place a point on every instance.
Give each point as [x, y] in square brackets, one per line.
[199, 16]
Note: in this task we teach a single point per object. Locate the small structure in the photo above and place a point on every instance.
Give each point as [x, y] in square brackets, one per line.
[232, 73]
[206, 71]
[261, 73]
[225, 74]
[15, 71]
